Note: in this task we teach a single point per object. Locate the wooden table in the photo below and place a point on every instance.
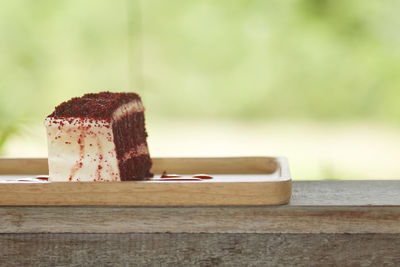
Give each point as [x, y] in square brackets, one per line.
[327, 222]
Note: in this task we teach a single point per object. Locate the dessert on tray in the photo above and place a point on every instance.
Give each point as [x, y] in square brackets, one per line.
[98, 137]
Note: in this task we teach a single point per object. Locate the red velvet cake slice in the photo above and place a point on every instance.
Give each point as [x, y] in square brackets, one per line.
[98, 137]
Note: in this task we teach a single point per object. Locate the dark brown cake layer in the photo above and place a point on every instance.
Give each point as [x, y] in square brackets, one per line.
[129, 132]
[96, 106]
[135, 168]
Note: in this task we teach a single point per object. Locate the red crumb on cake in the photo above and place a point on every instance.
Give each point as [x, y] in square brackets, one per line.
[94, 106]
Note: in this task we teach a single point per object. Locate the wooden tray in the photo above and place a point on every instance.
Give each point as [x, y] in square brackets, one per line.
[238, 181]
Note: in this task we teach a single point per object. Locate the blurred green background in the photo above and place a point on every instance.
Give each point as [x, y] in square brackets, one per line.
[316, 81]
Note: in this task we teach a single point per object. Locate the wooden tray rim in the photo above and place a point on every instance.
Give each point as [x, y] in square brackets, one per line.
[152, 194]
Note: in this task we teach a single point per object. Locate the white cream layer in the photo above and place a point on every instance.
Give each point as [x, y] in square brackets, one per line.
[77, 148]
[126, 109]
[135, 152]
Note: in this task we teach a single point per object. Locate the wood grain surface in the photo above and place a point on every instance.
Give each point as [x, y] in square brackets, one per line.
[326, 223]
[283, 219]
[319, 227]
[347, 193]
[145, 194]
[304, 214]
[164, 249]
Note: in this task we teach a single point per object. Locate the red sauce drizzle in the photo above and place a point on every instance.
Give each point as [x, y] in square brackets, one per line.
[202, 176]
[100, 165]
[176, 179]
[43, 178]
[165, 175]
[79, 163]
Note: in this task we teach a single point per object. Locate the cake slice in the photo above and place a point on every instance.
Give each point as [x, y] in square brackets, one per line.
[98, 137]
